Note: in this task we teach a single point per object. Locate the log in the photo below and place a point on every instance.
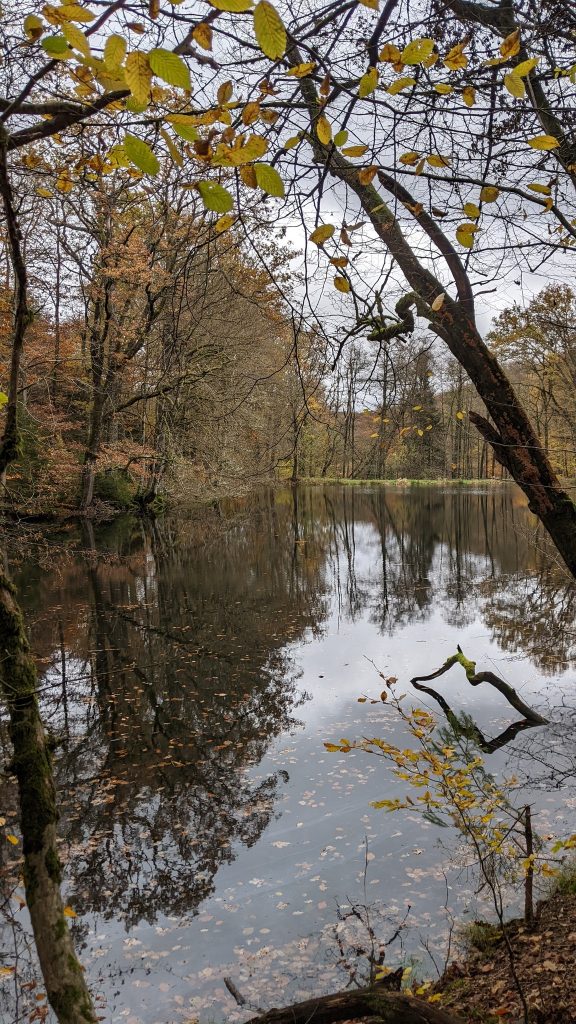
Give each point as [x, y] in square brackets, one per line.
[376, 1003]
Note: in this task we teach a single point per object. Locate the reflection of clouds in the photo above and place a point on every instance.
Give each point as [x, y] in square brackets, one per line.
[186, 778]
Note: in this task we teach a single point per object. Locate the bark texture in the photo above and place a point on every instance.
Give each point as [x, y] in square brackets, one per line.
[390, 1007]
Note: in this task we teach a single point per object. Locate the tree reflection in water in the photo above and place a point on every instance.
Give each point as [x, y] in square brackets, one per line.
[170, 660]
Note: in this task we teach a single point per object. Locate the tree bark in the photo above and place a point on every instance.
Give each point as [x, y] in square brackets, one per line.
[376, 1003]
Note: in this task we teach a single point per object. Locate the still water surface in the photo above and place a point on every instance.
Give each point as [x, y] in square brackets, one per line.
[194, 670]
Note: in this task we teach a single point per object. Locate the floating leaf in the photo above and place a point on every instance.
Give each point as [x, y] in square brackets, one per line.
[269, 29]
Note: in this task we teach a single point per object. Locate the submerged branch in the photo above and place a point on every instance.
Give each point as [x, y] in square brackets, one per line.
[475, 678]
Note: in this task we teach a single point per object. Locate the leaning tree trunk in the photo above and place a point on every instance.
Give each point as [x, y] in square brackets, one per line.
[373, 1003]
[511, 434]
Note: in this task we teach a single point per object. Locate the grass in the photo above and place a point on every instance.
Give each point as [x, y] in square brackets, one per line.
[481, 936]
[565, 882]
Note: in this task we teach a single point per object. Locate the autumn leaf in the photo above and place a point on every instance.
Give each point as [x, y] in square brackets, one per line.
[138, 75]
[417, 51]
[69, 912]
[202, 34]
[232, 6]
[269, 30]
[469, 96]
[511, 45]
[215, 197]
[269, 180]
[170, 68]
[400, 84]
[544, 142]
[324, 130]
[12, 839]
[489, 194]
[301, 70]
[355, 151]
[342, 284]
[140, 154]
[368, 83]
[322, 233]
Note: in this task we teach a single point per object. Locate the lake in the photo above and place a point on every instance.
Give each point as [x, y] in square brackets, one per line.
[193, 668]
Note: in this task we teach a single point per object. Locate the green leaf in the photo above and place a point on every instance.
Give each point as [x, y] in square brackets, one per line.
[3, 398]
[269, 180]
[186, 132]
[368, 83]
[232, 6]
[215, 197]
[270, 31]
[170, 68]
[140, 154]
[341, 137]
[56, 47]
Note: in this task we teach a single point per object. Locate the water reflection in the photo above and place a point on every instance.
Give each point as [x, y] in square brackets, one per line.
[172, 654]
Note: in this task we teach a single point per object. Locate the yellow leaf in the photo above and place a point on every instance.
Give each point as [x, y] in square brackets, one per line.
[469, 96]
[544, 190]
[114, 51]
[368, 83]
[460, 415]
[400, 84]
[269, 29]
[410, 158]
[390, 53]
[324, 130]
[342, 284]
[465, 236]
[46, 194]
[74, 12]
[435, 998]
[339, 261]
[301, 70]
[489, 194]
[514, 85]
[232, 6]
[436, 160]
[170, 68]
[76, 38]
[471, 210]
[322, 233]
[355, 151]
[33, 27]
[225, 222]
[366, 175]
[417, 51]
[438, 302]
[68, 912]
[511, 45]
[12, 839]
[291, 142]
[526, 66]
[444, 89]
[332, 746]
[456, 59]
[138, 75]
[255, 147]
[372, 5]
[251, 113]
[202, 34]
[544, 142]
[172, 148]
[4, 971]
[248, 175]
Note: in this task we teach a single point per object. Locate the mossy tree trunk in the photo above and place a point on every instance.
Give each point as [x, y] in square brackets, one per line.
[63, 977]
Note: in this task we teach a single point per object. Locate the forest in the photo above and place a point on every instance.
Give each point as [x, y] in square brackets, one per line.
[287, 425]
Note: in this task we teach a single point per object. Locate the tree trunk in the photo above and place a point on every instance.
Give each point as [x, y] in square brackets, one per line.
[376, 1003]
[66, 988]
